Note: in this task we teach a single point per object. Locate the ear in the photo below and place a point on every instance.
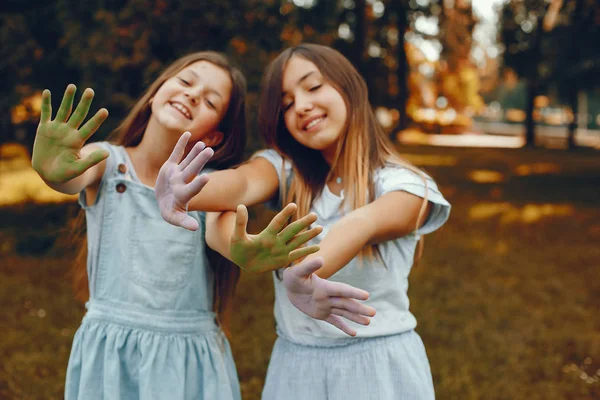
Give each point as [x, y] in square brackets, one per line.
[213, 139]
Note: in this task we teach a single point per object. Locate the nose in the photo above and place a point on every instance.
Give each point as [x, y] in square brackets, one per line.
[193, 93]
[303, 104]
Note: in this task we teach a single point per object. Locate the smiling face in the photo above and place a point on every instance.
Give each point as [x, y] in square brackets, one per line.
[195, 100]
[315, 113]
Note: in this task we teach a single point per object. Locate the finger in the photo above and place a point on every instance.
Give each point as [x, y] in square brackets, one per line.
[304, 237]
[303, 252]
[304, 269]
[198, 147]
[82, 109]
[67, 103]
[46, 110]
[93, 124]
[194, 187]
[352, 306]
[186, 221]
[341, 325]
[279, 221]
[241, 223]
[179, 148]
[197, 164]
[359, 319]
[92, 159]
[339, 289]
[297, 226]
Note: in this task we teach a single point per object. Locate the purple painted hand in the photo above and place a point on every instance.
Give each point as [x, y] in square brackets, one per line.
[326, 300]
[178, 182]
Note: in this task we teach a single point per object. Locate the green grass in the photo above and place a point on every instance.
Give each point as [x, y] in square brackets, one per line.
[507, 294]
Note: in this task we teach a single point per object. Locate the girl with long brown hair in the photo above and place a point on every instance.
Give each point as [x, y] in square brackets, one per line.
[158, 296]
[330, 156]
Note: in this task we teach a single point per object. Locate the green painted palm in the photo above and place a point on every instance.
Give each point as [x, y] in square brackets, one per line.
[276, 246]
[57, 147]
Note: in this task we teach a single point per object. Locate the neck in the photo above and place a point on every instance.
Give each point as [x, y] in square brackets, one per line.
[335, 173]
[329, 154]
[152, 151]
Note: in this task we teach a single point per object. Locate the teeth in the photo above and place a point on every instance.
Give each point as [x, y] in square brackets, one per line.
[314, 122]
[182, 109]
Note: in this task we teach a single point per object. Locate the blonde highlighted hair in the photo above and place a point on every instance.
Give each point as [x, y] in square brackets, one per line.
[363, 146]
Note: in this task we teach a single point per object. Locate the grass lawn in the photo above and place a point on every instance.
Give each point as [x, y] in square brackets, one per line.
[507, 295]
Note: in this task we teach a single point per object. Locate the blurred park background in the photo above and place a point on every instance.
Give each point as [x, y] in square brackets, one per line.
[498, 100]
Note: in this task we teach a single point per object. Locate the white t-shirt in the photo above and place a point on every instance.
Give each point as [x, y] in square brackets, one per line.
[386, 283]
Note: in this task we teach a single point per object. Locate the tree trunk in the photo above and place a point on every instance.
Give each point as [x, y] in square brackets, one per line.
[529, 107]
[574, 104]
[403, 68]
[359, 37]
[6, 127]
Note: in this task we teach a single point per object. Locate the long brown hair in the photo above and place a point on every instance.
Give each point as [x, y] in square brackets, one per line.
[363, 146]
[227, 154]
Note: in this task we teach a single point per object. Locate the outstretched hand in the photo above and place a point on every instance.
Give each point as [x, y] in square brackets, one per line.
[178, 182]
[326, 300]
[56, 150]
[276, 246]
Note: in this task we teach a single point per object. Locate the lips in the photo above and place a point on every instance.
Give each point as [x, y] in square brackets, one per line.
[182, 109]
[313, 122]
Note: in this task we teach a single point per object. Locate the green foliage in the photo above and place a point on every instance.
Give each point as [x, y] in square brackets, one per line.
[565, 52]
[119, 47]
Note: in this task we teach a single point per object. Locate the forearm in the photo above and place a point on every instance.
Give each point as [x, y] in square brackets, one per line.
[252, 183]
[73, 186]
[343, 242]
[392, 216]
[224, 192]
[219, 229]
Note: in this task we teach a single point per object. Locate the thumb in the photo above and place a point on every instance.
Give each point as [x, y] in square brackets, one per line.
[306, 268]
[189, 223]
[241, 223]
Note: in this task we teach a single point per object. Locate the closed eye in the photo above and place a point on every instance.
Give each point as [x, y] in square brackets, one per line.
[211, 105]
[315, 88]
[186, 83]
[287, 106]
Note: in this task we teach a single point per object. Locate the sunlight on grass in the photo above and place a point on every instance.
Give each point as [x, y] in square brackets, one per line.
[537, 169]
[431, 160]
[20, 183]
[485, 176]
[528, 214]
[416, 137]
[25, 185]
[13, 150]
[583, 371]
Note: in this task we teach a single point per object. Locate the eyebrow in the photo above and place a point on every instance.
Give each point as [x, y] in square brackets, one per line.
[210, 89]
[303, 78]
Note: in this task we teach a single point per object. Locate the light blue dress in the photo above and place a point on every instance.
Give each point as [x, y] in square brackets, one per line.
[149, 332]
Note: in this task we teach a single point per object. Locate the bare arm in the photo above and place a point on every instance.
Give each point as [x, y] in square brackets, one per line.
[391, 216]
[219, 228]
[252, 183]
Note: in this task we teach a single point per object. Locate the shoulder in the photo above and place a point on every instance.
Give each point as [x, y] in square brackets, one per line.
[282, 165]
[397, 177]
[394, 177]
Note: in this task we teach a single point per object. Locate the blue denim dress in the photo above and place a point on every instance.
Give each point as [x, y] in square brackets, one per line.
[149, 332]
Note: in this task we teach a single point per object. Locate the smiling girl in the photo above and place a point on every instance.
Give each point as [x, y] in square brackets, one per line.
[330, 156]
